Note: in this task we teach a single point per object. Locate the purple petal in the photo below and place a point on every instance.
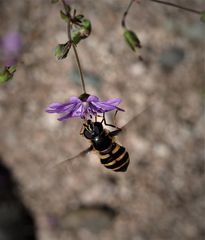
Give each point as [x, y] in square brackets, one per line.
[50, 111]
[67, 116]
[75, 107]
[64, 107]
[79, 111]
[55, 105]
[103, 107]
[114, 101]
[74, 99]
[92, 99]
[106, 106]
[76, 111]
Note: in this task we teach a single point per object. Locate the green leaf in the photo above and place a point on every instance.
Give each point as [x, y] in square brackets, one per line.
[76, 35]
[64, 16]
[87, 25]
[132, 40]
[79, 17]
[202, 14]
[12, 69]
[61, 50]
[5, 75]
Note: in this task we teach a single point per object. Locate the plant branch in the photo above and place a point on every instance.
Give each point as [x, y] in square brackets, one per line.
[177, 6]
[123, 22]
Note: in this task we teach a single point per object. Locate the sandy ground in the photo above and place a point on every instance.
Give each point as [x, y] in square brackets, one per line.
[162, 195]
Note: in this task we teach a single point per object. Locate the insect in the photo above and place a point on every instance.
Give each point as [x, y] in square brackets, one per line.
[112, 155]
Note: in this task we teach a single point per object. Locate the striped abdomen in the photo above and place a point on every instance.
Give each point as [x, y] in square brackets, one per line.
[115, 158]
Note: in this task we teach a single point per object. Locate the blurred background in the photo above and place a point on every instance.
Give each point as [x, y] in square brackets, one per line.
[162, 196]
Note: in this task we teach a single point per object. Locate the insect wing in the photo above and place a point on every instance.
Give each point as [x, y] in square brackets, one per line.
[124, 128]
[139, 114]
[81, 154]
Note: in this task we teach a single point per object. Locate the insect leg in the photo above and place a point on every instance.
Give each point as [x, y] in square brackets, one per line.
[114, 118]
[110, 125]
[82, 130]
[115, 133]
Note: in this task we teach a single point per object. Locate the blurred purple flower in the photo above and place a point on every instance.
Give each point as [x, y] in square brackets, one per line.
[84, 106]
[10, 46]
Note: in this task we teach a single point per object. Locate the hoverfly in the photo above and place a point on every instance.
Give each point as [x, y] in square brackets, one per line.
[112, 155]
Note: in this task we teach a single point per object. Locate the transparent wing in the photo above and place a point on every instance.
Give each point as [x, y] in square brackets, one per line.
[124, 128]
[80, 154]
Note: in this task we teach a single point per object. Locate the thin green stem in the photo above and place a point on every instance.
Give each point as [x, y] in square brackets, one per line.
[177, 6]
[123, 22]
[74, 49]
[79, 68]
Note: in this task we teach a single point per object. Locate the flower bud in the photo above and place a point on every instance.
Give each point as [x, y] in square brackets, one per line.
[132, 40]
[81, 32]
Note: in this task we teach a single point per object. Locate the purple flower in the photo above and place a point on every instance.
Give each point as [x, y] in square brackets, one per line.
[84, 106]
[10, 46]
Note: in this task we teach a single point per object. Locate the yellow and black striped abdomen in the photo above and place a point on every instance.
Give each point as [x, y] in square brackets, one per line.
[115, 158]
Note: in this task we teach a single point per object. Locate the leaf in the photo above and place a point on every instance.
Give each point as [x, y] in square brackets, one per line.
[64, 16]
[76, 35]
[5, 75]
[79, 18]
[61, 50]
[87, 25]
[12, 69]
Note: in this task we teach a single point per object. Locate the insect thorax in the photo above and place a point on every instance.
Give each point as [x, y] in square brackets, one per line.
[102, 142]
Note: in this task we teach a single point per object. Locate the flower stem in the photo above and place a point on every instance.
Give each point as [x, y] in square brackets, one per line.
[177, 6]
[79, 68]
[123, 22]
[74, 48]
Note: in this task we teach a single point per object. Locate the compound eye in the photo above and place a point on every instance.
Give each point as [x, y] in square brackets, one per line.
[87, 134]
[96, 130]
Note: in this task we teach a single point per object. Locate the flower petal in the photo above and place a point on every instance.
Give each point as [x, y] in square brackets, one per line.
[75, 107]
[114, 101]
[79, 111]
[92, 98]
[76, 111]
[67, 116]
[55, 105]
[74, 99]
[106, 106]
